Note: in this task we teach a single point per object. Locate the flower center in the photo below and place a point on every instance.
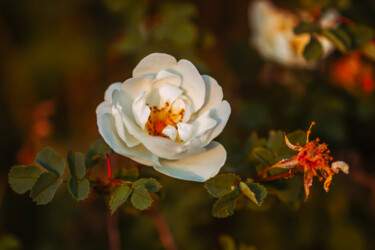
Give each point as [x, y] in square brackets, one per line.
[161, 118]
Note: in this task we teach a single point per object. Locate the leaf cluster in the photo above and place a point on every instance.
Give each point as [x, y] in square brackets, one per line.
[228, 188]
[344, 37]
[44, 179]
[138, 192]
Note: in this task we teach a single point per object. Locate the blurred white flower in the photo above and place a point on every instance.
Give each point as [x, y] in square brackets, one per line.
[273, 36]
[166, 117]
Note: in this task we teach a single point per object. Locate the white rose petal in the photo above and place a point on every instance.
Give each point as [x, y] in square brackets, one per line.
[141, 112]
[166, 117]
[197, 168]
[153, 64]
[185, 131]
[108, 131]
[170, 131]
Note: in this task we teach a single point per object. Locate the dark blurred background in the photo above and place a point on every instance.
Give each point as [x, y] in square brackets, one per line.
[58, 57]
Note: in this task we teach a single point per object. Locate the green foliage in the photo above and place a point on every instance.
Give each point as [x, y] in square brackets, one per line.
[227, 243]
[263, 155]
[79, 189]
[337, 42]
[226, 204]
[118, 196]
[22, 178]
[141, 198]
[150, 184]
[345, 38]
[221, 184]
[140, 193]
[290, 191]
[313, 50]
[44, 188]
[306, 27]
[274, 149]
[127, 174]
[362, 35]
[51, 161]
[76, 163]
[97, 150]
[298, 136]
[43, 185]
[275, 141]
[254, 141]
[369, 51]
[228, 187]
[254, 191]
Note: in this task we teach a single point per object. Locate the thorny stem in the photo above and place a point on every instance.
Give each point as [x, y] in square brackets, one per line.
[161, 224]
[113, 232]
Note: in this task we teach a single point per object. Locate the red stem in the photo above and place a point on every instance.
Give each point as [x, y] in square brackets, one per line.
[109, 168]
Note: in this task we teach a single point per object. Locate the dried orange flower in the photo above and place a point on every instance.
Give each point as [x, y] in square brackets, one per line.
[312, 159]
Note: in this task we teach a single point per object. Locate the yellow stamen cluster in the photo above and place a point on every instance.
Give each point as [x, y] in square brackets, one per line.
[161, 118]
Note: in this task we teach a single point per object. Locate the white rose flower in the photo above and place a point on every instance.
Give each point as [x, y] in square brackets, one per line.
[166, 117]
[273, 36]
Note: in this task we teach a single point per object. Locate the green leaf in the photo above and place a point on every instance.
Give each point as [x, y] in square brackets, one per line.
[98, 150]
[362, 34]
[118, 196]
[51, 161]
[225, 205]
[369, 51]
[254, 191]
[141, 198]
[44, 188]
[254, 141]
[339, 44]
[227, 243]
[150, 184]
[291, 190]
[341, 37]
[275, 141]
[127, 174]
[221, 184]
[22, 178]
[306, 27]
[76, 163]
[345, 35]
[313, 50]
[298, 136]
[79, 189]
[264, 155]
